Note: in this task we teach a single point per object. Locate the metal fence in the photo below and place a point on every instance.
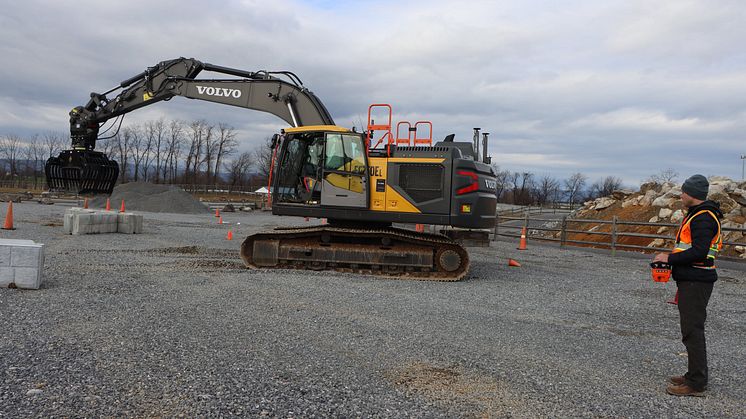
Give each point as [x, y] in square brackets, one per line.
[565, 224]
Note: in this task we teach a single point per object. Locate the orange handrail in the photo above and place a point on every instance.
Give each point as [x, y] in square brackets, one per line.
[422, 140]
[379, 127]
[401, 140]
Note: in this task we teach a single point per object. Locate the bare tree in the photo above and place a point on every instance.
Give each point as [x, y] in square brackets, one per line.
[159, 128]
[238, 169]
[137, 147]
[210, 149]
[106, 145]
[122, 141]
[547, 190]
[194, 158]
[666, 175]
[174, 140]
[263, 158]
[34, 159]
[522, 184]
[151, 138]
[52, 143]
[502, 178]
[574, 186]
[11, 148]
[226, 145]
[605, 187]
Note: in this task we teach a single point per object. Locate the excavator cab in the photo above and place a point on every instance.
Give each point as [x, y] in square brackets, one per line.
[324, 165]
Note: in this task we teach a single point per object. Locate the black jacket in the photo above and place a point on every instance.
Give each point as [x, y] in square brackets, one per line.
[703, 228]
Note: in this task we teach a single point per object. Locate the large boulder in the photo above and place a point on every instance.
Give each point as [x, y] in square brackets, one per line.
[663, 201]
[667, 187]
[621, 194]
[603, 203]
[665, 213]
[650, 186]
[647, 199]
[732, 235]
[674, 192]
[726, 203]
[738, 195]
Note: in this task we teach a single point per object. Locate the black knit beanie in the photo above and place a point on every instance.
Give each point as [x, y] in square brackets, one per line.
[697, 187]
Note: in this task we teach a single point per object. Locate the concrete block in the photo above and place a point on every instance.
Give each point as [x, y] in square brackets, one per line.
[26, 263]
[67, 224]
[81, 221]
[130, 223]
[7, 276]
[28, 278]
[4, 256]
[25, 256]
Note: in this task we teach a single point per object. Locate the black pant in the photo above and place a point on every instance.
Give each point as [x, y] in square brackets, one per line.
[693, 299]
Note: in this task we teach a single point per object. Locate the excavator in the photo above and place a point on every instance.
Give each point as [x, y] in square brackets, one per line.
[318, 170]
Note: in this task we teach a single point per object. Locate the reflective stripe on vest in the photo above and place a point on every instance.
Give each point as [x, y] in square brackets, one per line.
[684, 241]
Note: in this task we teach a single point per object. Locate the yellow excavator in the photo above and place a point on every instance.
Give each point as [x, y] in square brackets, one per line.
[319, 170]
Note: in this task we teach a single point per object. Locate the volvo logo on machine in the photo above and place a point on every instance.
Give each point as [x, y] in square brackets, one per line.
[218, 91]
[490, 184]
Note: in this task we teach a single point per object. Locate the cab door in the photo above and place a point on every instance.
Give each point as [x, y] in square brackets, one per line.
[344, 178]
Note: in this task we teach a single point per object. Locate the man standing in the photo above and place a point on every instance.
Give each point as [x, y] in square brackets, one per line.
[698, 242]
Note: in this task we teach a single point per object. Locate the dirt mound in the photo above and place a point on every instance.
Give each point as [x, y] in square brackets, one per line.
[660, 205]
[143, 196]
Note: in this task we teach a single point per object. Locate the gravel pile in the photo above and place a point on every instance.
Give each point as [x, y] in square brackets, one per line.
[145, 196]
[169, 323]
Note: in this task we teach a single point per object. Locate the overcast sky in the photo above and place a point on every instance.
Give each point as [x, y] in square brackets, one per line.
[621, 88]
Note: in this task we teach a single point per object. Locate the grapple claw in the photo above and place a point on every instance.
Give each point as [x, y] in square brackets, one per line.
[82, 172]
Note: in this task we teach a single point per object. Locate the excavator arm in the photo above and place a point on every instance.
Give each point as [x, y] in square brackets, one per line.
[84, 170]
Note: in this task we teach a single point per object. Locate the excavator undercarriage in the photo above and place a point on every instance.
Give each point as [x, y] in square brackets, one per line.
[386, 251]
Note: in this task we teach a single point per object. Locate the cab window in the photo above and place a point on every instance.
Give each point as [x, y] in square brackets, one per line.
[345, 153]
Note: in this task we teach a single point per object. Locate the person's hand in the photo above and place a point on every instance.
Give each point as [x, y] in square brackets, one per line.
[661, 257]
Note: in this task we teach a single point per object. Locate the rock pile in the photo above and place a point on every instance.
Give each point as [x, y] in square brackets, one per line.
[143, 196]
[663, 201]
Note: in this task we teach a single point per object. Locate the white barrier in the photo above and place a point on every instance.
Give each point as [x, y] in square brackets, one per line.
[85, 221]
[21, 263]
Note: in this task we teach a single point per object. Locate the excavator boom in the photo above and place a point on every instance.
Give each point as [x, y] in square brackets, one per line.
[83, 170]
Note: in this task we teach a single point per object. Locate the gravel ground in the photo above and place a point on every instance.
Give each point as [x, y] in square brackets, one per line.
[169, 323]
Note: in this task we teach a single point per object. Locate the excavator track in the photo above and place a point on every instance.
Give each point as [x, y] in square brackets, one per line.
[390, 252]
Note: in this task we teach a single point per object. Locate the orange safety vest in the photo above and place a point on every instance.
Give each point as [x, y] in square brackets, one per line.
[684, 241]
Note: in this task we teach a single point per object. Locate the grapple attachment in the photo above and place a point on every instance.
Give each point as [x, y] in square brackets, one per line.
[82, 172]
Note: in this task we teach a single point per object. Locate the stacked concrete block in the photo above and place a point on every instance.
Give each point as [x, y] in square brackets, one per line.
[21, 263]
[129, 223]
[84, 221]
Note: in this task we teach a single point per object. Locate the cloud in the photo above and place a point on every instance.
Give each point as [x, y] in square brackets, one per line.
[604, 88]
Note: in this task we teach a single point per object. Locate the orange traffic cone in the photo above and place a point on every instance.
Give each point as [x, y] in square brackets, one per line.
[9, 217]
[522, 244]
[217, 212]
[85, 203]
[108, 205]
[220, 220]
[122, 208]
[513, 262]
[230, 235]
[675, 300]
[420, 228]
